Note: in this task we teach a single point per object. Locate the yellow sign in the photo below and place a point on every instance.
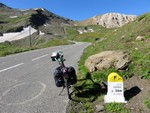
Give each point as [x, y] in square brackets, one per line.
[114, 77]
[115, 90]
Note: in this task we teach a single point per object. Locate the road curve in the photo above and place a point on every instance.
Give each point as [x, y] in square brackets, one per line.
[27, 84]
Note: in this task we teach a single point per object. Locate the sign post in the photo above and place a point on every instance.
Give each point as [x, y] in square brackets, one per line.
[115, 91]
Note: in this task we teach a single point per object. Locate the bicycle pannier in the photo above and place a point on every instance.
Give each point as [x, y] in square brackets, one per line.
[72, 75]
[58, 77]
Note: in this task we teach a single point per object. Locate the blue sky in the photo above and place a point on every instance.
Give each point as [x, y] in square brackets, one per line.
[83, 9]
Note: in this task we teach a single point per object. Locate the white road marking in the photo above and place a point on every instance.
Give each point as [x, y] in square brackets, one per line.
[7, 91]
[40, 93]
[39, 57]
[43, 87]
[11, 67]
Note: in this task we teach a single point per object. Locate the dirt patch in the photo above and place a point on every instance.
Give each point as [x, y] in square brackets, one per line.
[136, 92]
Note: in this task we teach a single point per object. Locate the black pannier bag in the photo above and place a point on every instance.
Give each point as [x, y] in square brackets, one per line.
[58, 77]
[72, 75]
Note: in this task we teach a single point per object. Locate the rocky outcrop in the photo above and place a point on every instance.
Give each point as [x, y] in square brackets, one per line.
[140, 38]
[104, 60]
[109, 20]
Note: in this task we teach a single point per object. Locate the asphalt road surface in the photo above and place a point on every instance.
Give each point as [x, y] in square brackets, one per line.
[27, 84]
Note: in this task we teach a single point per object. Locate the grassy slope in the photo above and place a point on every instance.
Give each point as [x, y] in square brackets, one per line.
[7, 48]
[23, 19]
[113, 39]
[14, 24]
[125, 39]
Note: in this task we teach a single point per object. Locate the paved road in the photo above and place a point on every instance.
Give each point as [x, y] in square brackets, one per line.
[27, 84]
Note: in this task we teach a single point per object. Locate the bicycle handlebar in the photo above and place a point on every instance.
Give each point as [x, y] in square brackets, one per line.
[58, 56]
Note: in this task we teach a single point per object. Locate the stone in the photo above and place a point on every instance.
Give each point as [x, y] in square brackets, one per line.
[104, 60]
[140, 38]
[99, 108]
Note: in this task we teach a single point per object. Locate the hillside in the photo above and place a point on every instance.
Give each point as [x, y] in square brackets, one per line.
[44, 22]
[24, 30]
[136, 77]
[109, 20]
[39, 24]
[14, 20]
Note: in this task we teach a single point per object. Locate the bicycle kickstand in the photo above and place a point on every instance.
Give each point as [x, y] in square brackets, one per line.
[62, 90]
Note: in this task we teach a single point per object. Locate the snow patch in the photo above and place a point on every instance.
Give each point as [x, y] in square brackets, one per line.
[24, 9]
[18, 35]
[13, 16]
[85, 31]
[39, 9]
[41, 33]
[91, 30]
[46, 24]
[80, 31]
[42, 9]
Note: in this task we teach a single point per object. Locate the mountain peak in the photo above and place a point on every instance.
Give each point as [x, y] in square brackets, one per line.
[4, 6]
[109, 20]
[43, 9]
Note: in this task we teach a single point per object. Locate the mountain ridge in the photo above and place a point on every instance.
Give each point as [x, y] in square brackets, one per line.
[4, 6]
[108, 20]
[14, 20]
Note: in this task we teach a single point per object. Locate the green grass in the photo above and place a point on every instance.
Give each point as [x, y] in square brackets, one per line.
[116, 108]
[19, 19]
[147, 102]
[124, 39]
[14, 24]
[56, 42]
[71, 32]
[6, 49]
[97, 35]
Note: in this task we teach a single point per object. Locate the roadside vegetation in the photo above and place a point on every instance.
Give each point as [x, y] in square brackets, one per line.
[8, 48]
[90, 84]
[147, 101]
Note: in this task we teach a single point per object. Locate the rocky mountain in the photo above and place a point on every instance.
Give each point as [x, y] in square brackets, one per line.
[109, 20]
[14, 20]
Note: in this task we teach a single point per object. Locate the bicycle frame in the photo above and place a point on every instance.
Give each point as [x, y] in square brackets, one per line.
[59, 58]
